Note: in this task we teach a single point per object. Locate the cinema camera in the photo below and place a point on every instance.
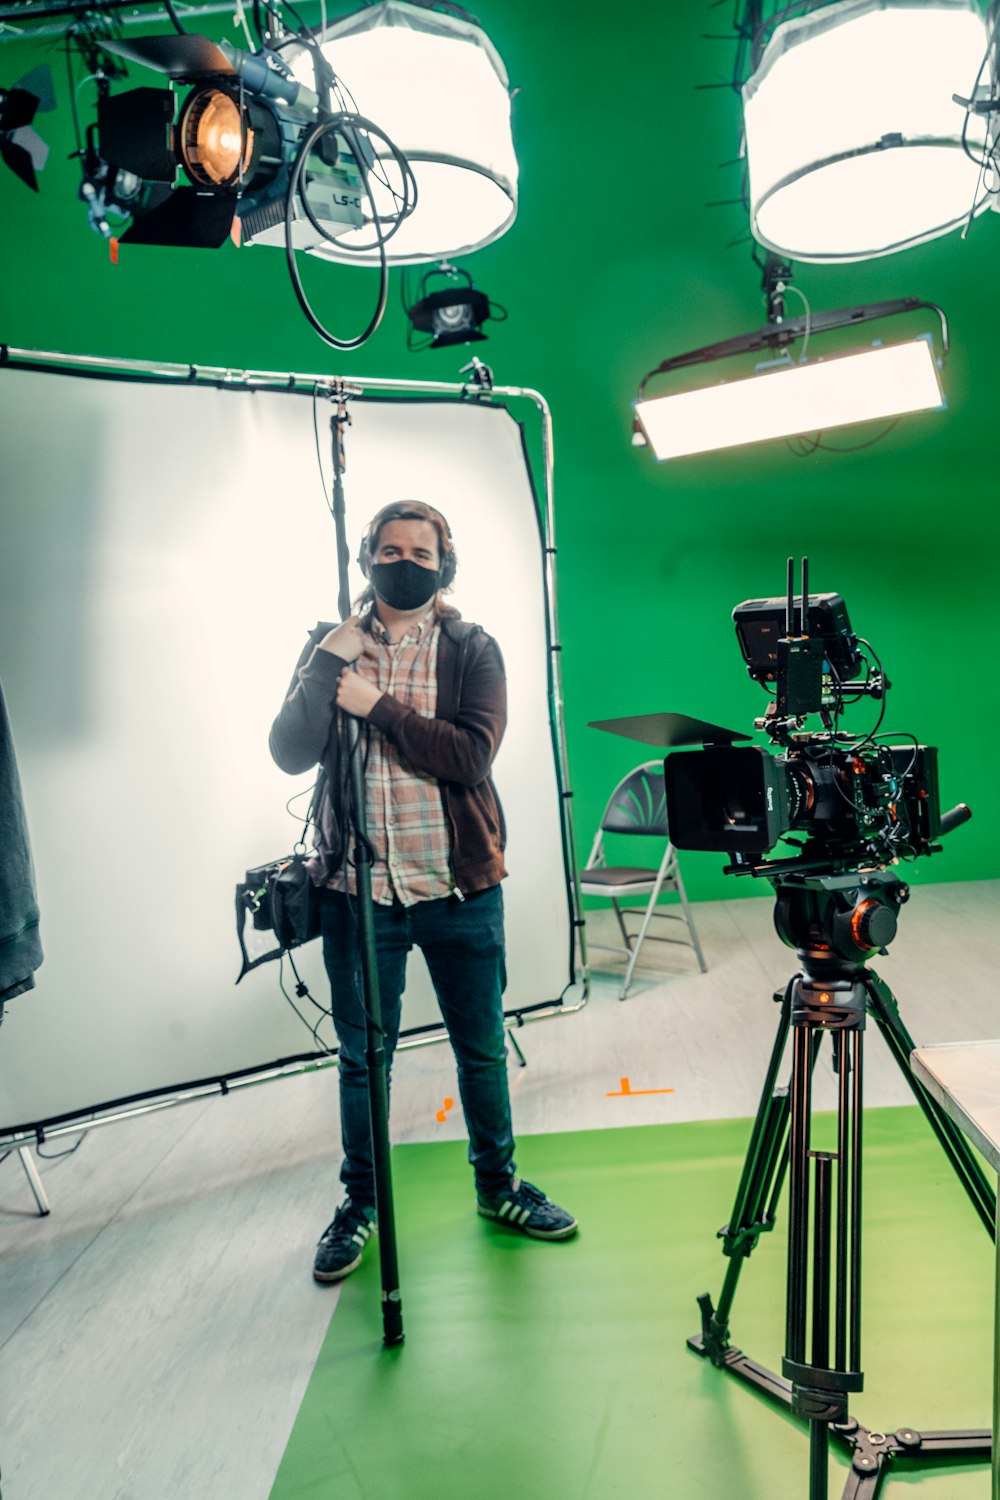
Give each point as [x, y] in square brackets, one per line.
[859, 804]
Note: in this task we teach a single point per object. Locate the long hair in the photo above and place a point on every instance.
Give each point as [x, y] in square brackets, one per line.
[407, 510]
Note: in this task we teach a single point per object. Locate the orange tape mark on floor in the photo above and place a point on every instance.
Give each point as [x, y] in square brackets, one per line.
[627, 1091]
[443, 1113]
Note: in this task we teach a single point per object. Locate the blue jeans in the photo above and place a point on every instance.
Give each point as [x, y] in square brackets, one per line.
[463, 945]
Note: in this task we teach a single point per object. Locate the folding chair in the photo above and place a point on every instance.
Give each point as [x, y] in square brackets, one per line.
[638, 807]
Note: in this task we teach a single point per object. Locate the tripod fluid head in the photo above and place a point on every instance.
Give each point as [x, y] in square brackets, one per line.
[836, 923]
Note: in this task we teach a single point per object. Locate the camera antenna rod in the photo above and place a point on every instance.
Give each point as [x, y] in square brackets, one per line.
[790, 604]
[805, 596]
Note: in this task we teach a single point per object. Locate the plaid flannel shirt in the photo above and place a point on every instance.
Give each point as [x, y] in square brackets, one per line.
[407, 826]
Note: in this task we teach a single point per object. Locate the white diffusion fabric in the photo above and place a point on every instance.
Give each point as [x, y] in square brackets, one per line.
[166, 552]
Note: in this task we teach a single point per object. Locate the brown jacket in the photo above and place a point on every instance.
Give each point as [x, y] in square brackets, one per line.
[457, 747]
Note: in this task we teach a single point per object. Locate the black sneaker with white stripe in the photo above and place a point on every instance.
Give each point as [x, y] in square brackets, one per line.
[524, 1207]
[343, 1242]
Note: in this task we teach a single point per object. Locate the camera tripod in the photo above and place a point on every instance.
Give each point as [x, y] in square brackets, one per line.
[835, 923]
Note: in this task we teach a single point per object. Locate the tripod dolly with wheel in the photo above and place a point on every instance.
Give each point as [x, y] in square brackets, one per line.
[830, 920]
[859, 806]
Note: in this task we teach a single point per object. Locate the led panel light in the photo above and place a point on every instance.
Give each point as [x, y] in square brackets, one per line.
[853, 139]
[880, 382]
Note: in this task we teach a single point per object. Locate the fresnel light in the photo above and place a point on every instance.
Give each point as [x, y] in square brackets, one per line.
[234, 138]
[383, 137]
[294, 145]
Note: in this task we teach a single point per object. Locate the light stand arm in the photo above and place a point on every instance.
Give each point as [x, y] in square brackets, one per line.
[779, 335]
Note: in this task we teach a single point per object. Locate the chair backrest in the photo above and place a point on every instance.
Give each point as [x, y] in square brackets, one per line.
[638, 803]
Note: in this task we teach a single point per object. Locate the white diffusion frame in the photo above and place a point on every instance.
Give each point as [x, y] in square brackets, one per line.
[166, 551]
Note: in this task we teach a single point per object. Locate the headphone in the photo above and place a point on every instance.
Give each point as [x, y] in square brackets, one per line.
[411, 510]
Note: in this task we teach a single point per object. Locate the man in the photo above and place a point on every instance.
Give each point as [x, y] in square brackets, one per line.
[429, 689]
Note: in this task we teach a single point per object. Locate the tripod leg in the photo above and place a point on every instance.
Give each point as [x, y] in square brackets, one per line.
[748, 1218]
[756, 1196]
[819, 1429]
[798, 1194]
[819, 1388]
[848, 1056]
[819, 1460]
[996, 1365]
[814, 1245]
[855, 1237]
[885, 1009]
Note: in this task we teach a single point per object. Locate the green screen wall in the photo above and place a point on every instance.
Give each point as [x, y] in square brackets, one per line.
[615, 262]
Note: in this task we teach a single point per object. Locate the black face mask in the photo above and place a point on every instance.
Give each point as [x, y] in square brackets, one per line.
[405, 584]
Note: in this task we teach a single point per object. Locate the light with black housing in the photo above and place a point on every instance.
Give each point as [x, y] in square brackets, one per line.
[21, 147]
[267, 159]
[234, 135]
[453, 314]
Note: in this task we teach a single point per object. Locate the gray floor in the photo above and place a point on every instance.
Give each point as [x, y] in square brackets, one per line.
[158, 1329]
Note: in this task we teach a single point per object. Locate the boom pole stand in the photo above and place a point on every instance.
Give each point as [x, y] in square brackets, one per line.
[378, 1103]
[834, 922]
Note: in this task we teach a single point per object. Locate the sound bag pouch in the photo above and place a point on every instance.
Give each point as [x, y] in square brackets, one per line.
[277, 898]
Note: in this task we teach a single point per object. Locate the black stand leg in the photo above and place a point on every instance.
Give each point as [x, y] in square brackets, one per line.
[826, 1234]
[378, 1106]
[821, 1379]
[756, 1200]
[884, 1008]
[522, 1061]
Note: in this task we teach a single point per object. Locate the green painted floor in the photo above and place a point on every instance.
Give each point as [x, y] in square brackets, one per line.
[560, 1370]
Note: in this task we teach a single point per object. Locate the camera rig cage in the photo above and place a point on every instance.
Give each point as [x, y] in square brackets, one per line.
[857, 801]
[854, 804]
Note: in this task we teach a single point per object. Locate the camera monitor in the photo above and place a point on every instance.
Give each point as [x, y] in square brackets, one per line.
[762, 623]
